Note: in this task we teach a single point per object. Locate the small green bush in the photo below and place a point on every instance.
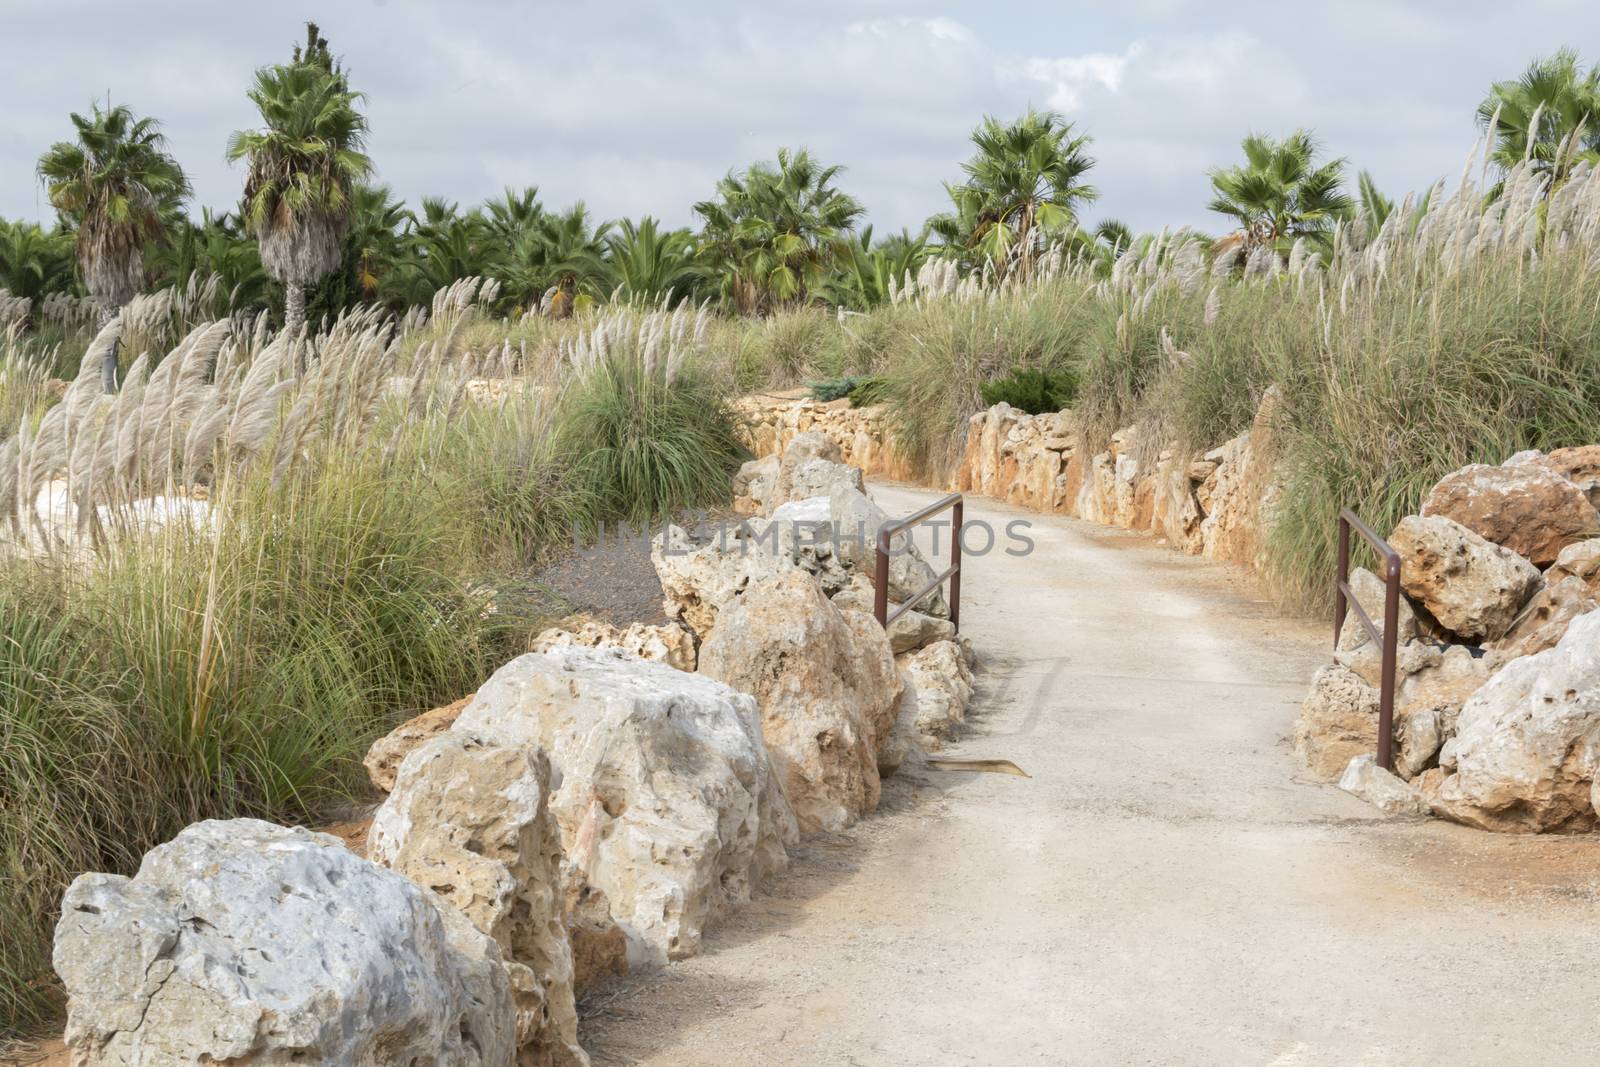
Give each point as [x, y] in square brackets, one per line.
[1032, 390]
[864, 390]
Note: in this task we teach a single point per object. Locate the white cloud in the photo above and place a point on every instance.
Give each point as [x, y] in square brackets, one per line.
[639, 107]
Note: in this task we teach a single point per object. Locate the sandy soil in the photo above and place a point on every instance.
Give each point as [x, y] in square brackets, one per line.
[1165, 889]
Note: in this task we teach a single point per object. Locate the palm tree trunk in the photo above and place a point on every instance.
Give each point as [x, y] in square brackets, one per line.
[294, 307]
[108, 362]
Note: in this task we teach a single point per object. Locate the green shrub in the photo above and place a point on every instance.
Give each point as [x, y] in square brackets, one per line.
[1032, 390]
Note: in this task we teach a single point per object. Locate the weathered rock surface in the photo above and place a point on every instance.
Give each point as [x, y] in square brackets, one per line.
[1579, 465]
[671, 643]
[1370, 592]
[753, 485]
[599, 947]
[1338, 722]
[857, 521]
[907, 633]
[941, 676]
[1527, 743]
[241, 942]
[387, 752]
[1473, 587]
[1428, 704]
[1528, 509]
[668, 801]
[468, 820]
[698, 579]
[1365, 779]
[826, 684]
[1581, 561]
[1545, 619]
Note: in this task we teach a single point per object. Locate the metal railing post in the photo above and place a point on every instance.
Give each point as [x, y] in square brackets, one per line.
[880, 581]
[1388, 639]
[955, 567]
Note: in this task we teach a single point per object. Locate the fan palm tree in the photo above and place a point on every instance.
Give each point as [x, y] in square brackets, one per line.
[217, 246]
[303, 165]
[1280, 193]
[871, 268]
[645, 262]
[1024, 183]
[117, 187]
[515, 213]
[562, 257]
[34, 261]
[1550, 115]
[772, 233]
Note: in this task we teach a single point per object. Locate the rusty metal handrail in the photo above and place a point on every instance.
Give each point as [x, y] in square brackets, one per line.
[1388, 638]
[880, 583]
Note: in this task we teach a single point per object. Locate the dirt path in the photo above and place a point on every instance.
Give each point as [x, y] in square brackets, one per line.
[1165, 889]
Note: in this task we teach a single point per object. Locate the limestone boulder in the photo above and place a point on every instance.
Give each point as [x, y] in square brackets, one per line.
[1429, 702]
[241, 942]
[1338, 722]
[908, 632]
[815, 477]
[1579, 465]
[826, 684]
[1386, 792]
[1527, 743]
[753, 485]
[1473, 587]
[1369, 592]
[384, 757]
[469, 820]
[803, 532]
[1544, 621]
[1530, 510]
[941, 677]
[697, 579]
[599, 947]
[1581, 561]
[668, 802]
[905, 742]
[671, 643]
[857, 521]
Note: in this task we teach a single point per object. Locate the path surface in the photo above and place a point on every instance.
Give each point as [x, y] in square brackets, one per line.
[1165, 889]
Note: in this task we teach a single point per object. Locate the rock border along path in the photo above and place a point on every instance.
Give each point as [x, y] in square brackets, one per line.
[1167, 888]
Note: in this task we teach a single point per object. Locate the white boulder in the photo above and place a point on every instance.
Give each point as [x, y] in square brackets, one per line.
[468, 820]
[826, 684]
[668, 801]
[241, 942]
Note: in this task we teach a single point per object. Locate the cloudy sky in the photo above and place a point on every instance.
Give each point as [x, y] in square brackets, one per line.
[637, 108]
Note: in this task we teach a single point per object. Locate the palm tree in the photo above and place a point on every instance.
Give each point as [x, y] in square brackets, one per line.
[218, 247]
[34, 261]
[116, 186]
[303, 165]
[1279, 194]
[563, 256]
[515, 213]
[1024, 183]
[645, 263]
[373, 244]
[443, 245]
[772, 233]
[1550, 115]
[871, 269]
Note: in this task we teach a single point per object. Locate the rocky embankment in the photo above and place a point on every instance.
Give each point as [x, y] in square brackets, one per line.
[593, 808]
[1497, 712]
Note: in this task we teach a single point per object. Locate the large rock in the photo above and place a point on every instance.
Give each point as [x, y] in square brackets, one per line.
[810, 465]
[1545, 619]
[1338, 722]
[909, 631]
[1579, 465]
[1428, 704]
[826, 685]
[671, 643]
[753, 485]
[668, 802]
[468, 819]
[1365, 779]
[857, 522]
[387, 752]
[1530, 510]
[1475, 588]
[245, 943]
[698, 579]
[941, 677]
[1581, 561]
[1528, 741]
[1370, 592]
